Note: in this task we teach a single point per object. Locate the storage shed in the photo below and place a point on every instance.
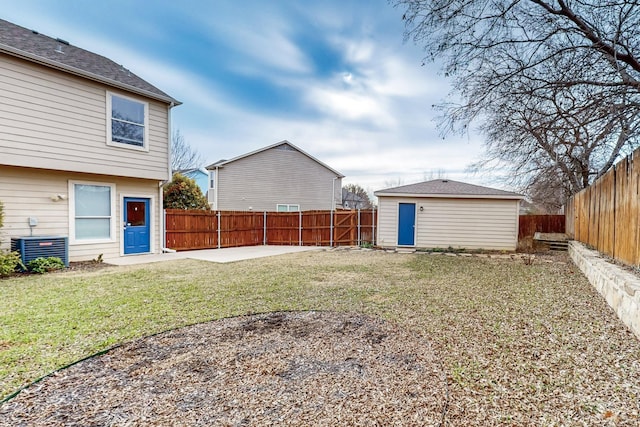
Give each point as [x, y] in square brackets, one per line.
[443, 213]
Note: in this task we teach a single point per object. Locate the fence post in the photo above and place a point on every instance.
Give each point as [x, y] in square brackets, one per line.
[264, 229]
[331, 230]
[300, 229]
[358, 226]
[218, 216]
[164, 231]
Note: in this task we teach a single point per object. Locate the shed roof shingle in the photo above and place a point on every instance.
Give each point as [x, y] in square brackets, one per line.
[447, 187]
[57, 53]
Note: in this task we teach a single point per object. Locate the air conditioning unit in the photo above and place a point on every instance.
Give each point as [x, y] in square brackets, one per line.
[33, 247]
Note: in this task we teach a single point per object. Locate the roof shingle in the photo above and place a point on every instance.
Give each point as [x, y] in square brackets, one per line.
[446, 187]
[58, 53]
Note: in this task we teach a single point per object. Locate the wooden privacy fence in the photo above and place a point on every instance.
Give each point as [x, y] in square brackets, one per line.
[605, 215]
[186, 230]
[530, 224]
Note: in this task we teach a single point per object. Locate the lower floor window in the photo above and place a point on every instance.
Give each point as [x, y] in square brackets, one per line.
[93, 211]
[288, 208]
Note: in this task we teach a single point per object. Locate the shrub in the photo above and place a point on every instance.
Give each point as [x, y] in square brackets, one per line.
[183, 193]
[9, 262]
[42, 265]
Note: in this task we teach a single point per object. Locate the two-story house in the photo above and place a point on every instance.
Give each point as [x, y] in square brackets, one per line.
[280, 177]
[84, 147]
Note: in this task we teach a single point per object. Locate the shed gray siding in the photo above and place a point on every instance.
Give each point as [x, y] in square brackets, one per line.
[457, 222]
[275, 176]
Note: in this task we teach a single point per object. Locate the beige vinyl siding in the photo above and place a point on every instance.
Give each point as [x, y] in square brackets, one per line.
[388, 220]
[276, 176]
[27, 192]
[458, 223]
[53, 120]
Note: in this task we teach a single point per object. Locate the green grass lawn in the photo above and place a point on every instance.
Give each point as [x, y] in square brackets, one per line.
[521, 344]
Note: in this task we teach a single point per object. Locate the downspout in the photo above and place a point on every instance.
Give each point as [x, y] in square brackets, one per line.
[163, 224]
[216, 186]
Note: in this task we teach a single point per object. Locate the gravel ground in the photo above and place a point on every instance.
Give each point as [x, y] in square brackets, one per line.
[292, 368]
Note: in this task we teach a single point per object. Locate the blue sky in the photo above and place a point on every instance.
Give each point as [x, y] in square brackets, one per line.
[333, 77]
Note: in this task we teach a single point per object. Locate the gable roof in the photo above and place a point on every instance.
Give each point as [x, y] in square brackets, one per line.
[449, 189]
[222, 163]
[59, 54]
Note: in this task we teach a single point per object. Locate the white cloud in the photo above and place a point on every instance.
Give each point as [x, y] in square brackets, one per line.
[350, 105]
[264, 41]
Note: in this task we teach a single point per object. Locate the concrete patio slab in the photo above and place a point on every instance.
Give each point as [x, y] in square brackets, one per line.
[214, 255]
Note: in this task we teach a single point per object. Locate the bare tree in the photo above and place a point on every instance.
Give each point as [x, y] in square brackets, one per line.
[355, 197]
[555, 82]
[434, 174]
[183, 156]
[389, 183]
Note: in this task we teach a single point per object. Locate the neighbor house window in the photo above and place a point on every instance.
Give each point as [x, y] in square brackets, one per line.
[212, 179]
[287, 208]
[92, 211]
[126, 122]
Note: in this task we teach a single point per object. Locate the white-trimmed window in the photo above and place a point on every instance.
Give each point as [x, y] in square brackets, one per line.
[283, 207]
[92, 211]
[212, 179]
[127, 122]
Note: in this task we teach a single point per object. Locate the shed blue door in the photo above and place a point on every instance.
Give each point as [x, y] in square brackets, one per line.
[136, 226]
[406, 224]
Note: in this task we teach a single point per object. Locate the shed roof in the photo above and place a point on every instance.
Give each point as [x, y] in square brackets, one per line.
[32, 46]
[221, 163]
[449, 189]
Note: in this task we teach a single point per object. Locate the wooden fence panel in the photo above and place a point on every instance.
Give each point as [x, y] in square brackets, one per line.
[606, 215]
[570, 219]
[315, 228]
[241, 229]
[367, 226]
[606, 225]
[528, 225]
[187, 230]
[283, 228]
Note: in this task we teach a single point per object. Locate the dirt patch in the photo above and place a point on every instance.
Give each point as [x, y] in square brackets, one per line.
[88, 265]
[292, 368]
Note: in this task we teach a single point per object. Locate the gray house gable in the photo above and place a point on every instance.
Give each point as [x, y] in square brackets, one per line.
[60, 54]
[282, 145]
[278, 177]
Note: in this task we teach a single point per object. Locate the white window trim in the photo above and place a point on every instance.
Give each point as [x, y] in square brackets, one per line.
[289, 206]
[110, 141]
[72, 213]
[212, 196]
[152, 220]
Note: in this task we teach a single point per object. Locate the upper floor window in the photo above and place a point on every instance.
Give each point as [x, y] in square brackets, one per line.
[127, 122]
[212, 179]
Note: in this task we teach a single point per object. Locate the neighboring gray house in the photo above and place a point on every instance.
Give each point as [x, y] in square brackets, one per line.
[280, 177]
[352, 200]
[443, 213]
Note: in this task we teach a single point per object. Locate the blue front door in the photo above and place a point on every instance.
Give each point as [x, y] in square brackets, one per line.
[406, 224]
[136, 225]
